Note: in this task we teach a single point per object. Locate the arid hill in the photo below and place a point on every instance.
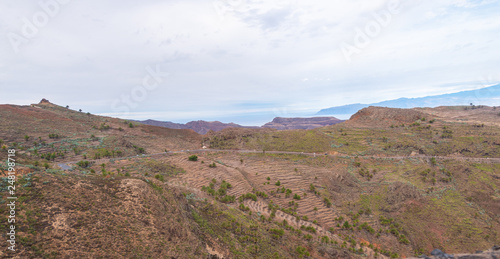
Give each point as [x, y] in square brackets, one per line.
[383, 117]
[100, 187]
[46, 122]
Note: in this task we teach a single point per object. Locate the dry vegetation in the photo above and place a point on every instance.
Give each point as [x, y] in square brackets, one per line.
[387, 183]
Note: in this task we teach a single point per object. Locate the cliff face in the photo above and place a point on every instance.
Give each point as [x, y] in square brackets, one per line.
[301, 123]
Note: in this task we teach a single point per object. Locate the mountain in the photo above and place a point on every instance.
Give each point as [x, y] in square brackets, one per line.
[484, 96]
[200, 126]
[203, 127]
[301, 123]
[166, 124]
[387, 183]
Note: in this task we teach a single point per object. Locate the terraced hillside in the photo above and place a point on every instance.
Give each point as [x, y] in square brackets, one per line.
[409, 206]
[89, 189]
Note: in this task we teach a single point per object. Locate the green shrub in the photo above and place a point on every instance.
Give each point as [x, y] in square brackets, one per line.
[302, 252]
[346, 225]
[368, 228]
[228, 199]
[277, 233]
[193, 158]
[310, 229]
[83, 164]
[327, 202]
[261, 194]
[433, 161]
[447, 133]
[226, 185]
[403, 240]
[104, 126]
[139, 150]
[159, 177]
[243, 207]
[248, 196]
[385, 221]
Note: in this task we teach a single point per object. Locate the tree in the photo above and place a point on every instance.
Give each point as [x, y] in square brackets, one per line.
[80, 110]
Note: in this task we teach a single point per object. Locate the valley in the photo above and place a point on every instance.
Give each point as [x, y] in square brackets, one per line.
[388, 183]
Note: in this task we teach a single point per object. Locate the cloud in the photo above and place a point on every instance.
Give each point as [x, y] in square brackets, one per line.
[224, 56]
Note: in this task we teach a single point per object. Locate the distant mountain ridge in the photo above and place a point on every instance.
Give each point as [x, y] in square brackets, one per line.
[202, 127]
[484, 96]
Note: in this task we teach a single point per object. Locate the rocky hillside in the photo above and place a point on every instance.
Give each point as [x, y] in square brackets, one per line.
[100, 187]
[43, 123]
[301, 123]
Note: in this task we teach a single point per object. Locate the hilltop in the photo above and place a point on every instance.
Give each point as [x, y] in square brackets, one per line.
[45, 122]
[388, 183]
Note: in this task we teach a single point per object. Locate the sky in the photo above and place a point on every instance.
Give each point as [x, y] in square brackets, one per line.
[242, 61]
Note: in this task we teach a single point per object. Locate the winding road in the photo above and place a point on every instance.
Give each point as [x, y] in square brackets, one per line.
[67, 165]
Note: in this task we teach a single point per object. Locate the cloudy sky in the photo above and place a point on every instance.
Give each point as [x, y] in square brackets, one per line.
[245, 61]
